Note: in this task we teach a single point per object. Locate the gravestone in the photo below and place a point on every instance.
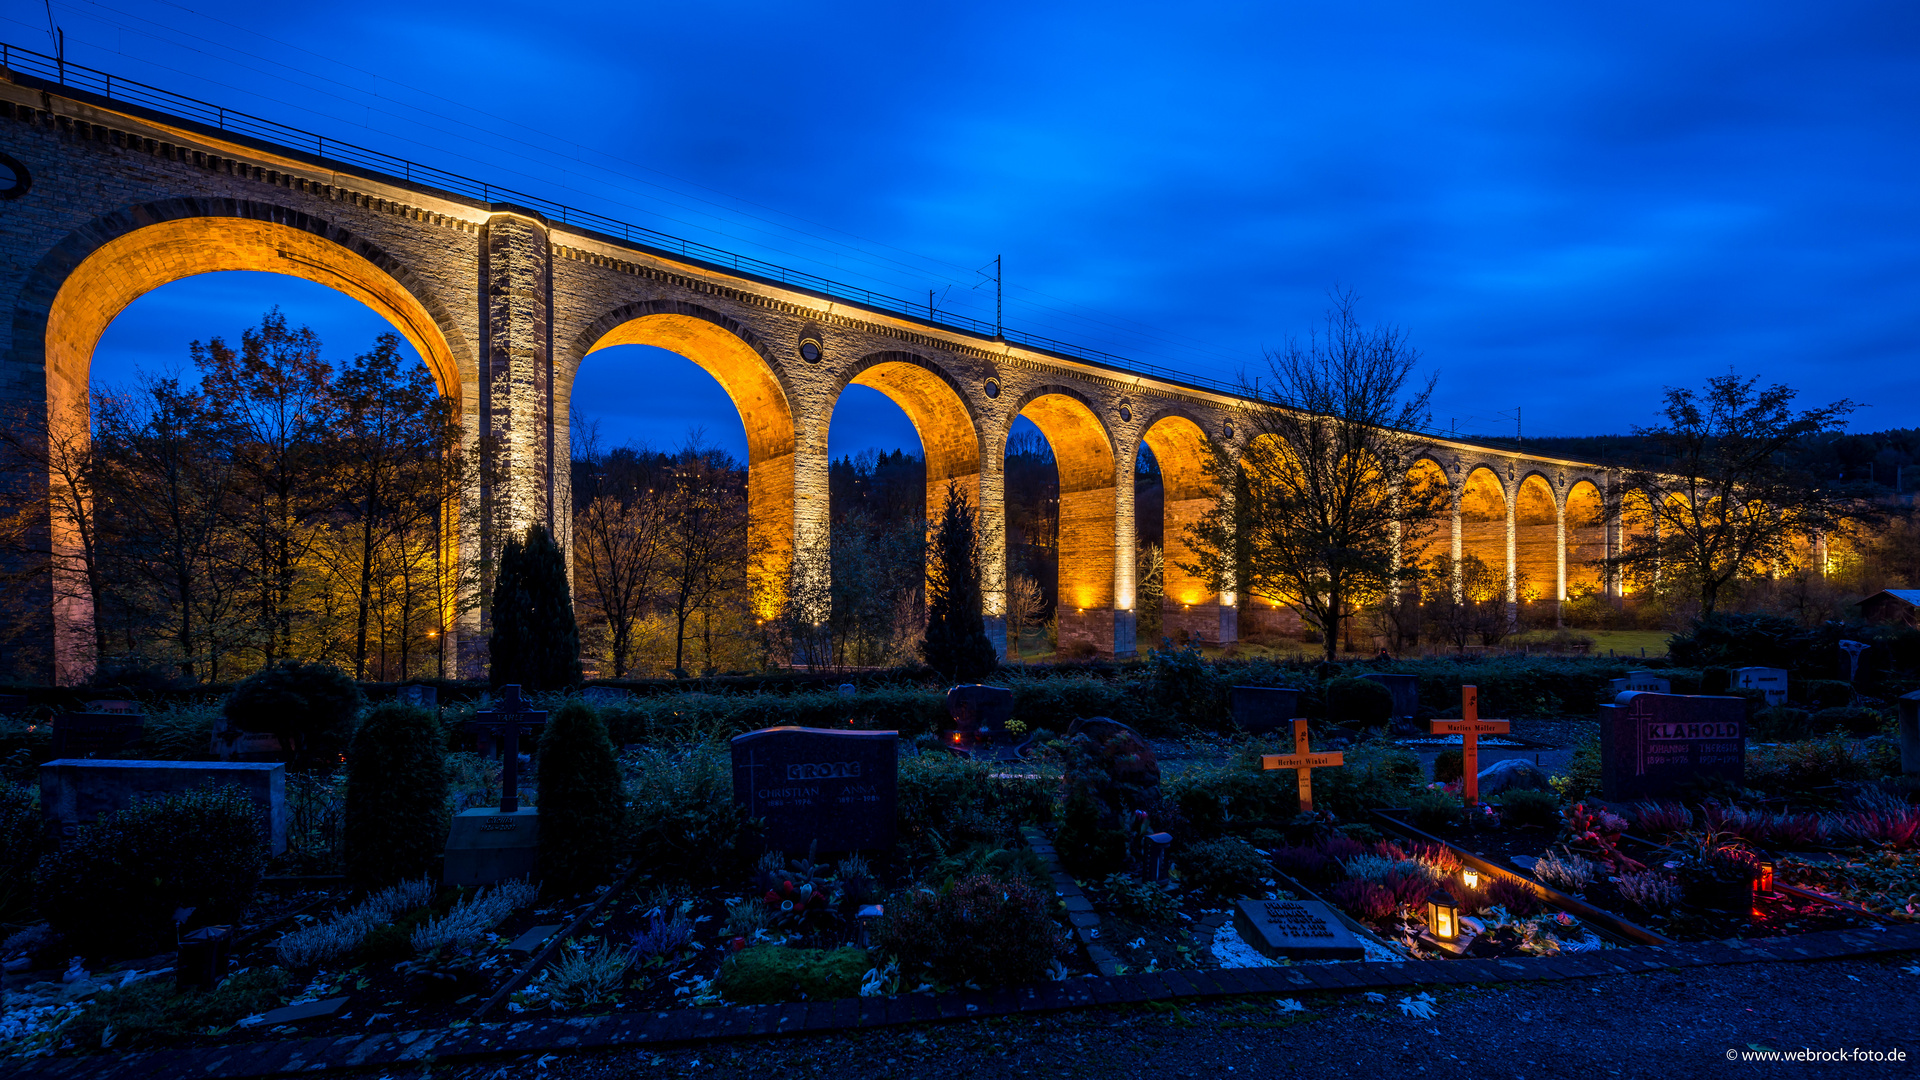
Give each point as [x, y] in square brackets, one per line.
[77, 735]
[1647, 682]
[1773, 680]
[980, 711]
[420, 697]
[1295, 930]
[1910, 733]
[836, 789]
[76, 791]
[488, 845]
[1405, 690]
[229, 743]
[1260, 709]
[1653, 744]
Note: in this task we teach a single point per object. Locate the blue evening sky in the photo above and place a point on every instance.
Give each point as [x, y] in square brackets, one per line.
[1568, 207]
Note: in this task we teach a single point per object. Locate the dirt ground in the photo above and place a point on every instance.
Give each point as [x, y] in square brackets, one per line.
[1659, 1025]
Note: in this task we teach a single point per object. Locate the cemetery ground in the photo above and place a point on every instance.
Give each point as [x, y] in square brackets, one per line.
[789, 842]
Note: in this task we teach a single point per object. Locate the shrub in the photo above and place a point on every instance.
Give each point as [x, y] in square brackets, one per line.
[310, 708]
[581, 805]
[980, 930]
[1233, 799]
[154, 1012]
[1360, 702]
[1434, 809]
[682, 822]
[961, 802]
[956, 643]
[395, 826]
[114, 888]
[1794, 768]
[1826, 693]
[23, 839]
[535, 641]
[1853, 721]
[1141, 899]
[764, 974]
[1449, 766]
[1377, 774]
[1529, 809]
[1739, 640]
[1223, 868]
[1582, 779]
[1781, 723]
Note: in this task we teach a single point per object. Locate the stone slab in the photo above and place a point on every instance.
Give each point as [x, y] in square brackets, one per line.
[834, 789]
[76, 791]
[534, 938]
[306, 1010]
[487, 846]
[1769, 679]
[1295, 930]
[1651, 745]
[1260, 709]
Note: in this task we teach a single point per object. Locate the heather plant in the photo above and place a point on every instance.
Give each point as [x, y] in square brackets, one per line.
[474, 917]
[581, 804]
[667, 932]
[1365, 898]
[1660, 819]
[1565, 871]
[584, 975]
[326, 941]
[1650, 891]
[396, 808]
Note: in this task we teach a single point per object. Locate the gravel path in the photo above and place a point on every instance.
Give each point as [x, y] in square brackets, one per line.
[1659, 1025]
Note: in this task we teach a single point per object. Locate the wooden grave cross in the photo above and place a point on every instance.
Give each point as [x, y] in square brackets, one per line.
[1303, 761]
[507, 721]
[1470, 727]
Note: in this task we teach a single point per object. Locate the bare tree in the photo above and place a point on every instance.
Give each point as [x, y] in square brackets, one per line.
[1727, 502]
[1025, 604]
[1325, 515]
[706, 530]
[620, 547]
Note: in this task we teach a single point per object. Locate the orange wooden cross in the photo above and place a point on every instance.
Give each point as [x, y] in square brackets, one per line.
[1470, 727]
[1302, 761]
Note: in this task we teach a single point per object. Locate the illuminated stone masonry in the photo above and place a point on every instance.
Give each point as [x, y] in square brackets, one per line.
[506, 305]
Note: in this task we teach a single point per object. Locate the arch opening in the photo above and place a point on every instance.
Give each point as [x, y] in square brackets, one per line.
[1483, 537]
[115, 274]
[1586, 540]
[1536, 541]
[1088, 606]
[761, 401]
[1189, 609]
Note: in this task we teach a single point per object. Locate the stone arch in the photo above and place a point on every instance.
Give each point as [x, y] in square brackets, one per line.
[86, 280]
[941, 414]
[1536, 524]
[1586, 518]
[1427, 479]
[1483, 524]
[1084, 456]
[118, 257]
[1182, 448]
[735, 358]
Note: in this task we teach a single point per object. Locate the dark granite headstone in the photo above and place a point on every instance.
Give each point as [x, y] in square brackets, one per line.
[837, 789]
[1260, 709]
[1405, 690]
[76, 791]
[1652, 744]
[1773, 680]
[421, 697]
[1295, 930]
[980, 711]
[1647, 682]
[78, 735]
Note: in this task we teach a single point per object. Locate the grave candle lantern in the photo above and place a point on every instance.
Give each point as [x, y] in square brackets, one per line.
[1470, 877]
[1763, 878]
[1443, 917]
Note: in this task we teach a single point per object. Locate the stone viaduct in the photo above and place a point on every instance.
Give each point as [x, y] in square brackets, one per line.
[505, 301]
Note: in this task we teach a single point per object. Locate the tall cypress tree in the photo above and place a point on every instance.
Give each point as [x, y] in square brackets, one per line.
[956, 644]
[535, 641]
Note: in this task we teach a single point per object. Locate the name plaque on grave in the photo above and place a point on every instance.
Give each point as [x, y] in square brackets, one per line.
[1651, 745]
[836, 789]
[1295, 930]
[1260, 709]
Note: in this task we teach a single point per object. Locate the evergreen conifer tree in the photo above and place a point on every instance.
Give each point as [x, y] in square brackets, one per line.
[581, 808]
[535, 642]
[956, 644]
[395, 824]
